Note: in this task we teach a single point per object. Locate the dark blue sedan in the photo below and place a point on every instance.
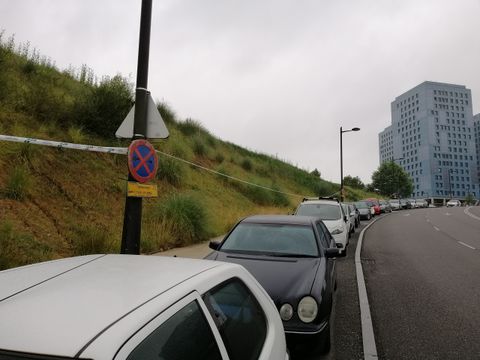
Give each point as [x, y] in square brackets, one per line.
[293, 258]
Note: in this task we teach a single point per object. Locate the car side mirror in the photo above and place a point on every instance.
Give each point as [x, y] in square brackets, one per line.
[214, 245]
[331, 253]
[338, 245]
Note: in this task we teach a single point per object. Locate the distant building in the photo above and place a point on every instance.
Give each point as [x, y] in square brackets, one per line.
[476, 129]
[432, 137]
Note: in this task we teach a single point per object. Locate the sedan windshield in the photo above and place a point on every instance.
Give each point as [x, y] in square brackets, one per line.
[323, 211]
[361, 205]
[272, 239]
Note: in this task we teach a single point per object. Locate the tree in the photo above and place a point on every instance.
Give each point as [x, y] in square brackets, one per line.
[391, 180]
[354, 182]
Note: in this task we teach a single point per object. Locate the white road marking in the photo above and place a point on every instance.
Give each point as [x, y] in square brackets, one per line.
[462, 243]
[428, 220]
[436, 228]
[406, 215]
[466, 211]
[448, 214]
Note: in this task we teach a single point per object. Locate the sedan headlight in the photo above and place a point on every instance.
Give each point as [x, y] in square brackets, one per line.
[336, 231]
[307, 309]
[286, 312]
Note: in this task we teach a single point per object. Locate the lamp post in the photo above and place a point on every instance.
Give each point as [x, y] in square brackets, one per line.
[341, 158]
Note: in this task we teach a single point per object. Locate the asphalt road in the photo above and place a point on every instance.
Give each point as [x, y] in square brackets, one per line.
[422, 270]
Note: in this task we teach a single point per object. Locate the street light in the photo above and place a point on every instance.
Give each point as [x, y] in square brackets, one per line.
[341, 158]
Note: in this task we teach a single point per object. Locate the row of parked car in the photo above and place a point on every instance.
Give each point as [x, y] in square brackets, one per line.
[146, 307]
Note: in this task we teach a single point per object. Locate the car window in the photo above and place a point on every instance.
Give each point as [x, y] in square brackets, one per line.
[324, 238]
[272, 239]
[323, 211]
[239, 319]
[184, 336]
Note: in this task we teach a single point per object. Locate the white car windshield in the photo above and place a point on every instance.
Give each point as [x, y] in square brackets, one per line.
[323, 211]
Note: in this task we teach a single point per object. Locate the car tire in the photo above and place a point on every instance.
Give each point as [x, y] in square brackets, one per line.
[369, 216]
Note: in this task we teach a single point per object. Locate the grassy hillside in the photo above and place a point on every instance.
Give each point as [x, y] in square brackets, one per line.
[58, 202]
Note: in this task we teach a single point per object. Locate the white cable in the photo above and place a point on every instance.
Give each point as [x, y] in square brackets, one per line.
[124, 151]
[66, 145]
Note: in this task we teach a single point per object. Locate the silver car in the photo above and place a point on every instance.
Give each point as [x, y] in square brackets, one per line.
[136, 307]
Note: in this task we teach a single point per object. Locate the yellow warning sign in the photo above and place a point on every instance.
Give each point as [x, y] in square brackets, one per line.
[135, 189]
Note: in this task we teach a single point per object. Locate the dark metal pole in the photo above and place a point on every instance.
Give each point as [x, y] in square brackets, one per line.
[341, 165]
[132, 221]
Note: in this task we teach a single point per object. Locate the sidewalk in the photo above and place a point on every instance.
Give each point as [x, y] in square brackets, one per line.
[197, 251]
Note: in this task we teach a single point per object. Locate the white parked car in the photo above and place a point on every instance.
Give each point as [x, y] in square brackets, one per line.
[137, 307]
[350, 213]
[453, 202]
[333, 216]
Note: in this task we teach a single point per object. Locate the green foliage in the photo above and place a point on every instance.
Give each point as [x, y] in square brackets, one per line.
[279, 199]
[390, 179]
[105, 106]
[199, 146]
[18, 249]
[315, 173]
[469, 199]
[168, 115]
[187, 217]
[247, 164]
[219, 157]
[191, 127]
[76, 134]
[18, 183]
[354, 182]
[89, 239]
[170, 170]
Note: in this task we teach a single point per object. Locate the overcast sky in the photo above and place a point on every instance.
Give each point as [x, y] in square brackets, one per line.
[275, 76]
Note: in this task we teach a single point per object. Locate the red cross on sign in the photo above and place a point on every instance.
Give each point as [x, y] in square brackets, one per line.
[142, 160]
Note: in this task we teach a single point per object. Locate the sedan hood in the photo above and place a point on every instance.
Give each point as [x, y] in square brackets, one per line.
[284, 279]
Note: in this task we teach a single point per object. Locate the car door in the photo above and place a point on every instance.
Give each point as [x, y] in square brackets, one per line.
[184, 331]
[327, 241]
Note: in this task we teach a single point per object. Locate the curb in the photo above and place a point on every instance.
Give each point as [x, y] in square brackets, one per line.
[368, 337]
[467, 212]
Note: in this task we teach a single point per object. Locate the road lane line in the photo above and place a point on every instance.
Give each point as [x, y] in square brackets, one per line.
[436, 228]
[462, 243]
[368, 337]
[467, 211]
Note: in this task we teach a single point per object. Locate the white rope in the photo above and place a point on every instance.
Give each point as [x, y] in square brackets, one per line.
[123, 151]
[65, 145]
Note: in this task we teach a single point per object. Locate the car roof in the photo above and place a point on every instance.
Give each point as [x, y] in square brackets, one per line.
[81, 297]
[322, 201]
[281, 219]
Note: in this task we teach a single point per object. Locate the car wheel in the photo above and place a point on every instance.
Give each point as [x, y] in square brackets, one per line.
[369, 216]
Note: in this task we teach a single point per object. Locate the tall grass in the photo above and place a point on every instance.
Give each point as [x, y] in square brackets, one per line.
[170, 170]
[18, 249]
[90, 239]
[185, 217]
[18, 183]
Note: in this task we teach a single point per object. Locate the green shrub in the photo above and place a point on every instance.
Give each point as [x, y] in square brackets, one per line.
[18, 183]
[170, 170]
[187, 217]
[199, 147]
[76, 134]
[168, 115]
[191, 127]
[279, 199]
[256, 194]
[19, 249]
[105, 106]
[247, 164]
[89, 239]
[219, 158]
